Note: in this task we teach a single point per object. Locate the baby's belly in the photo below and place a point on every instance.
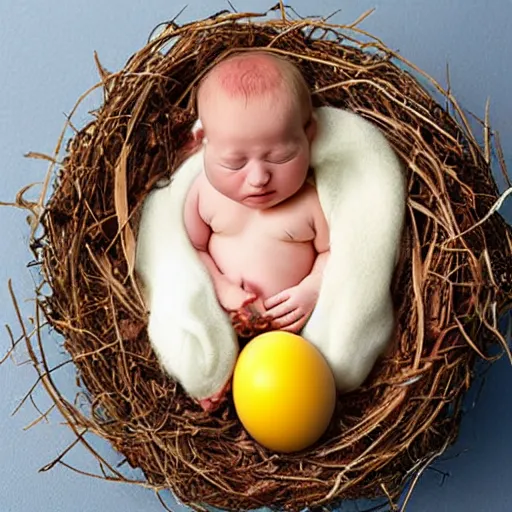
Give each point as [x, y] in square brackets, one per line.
[265, 265]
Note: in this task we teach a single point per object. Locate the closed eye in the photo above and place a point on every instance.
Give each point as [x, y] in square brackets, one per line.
[233, 166]
[281, 159]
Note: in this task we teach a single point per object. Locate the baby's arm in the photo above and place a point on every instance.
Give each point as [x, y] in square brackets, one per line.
[230, 295]
[322, 245]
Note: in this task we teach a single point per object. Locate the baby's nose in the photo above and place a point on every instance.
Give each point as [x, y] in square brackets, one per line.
[258, 175]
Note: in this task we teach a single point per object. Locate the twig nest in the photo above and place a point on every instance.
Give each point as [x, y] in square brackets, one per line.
[452, 281]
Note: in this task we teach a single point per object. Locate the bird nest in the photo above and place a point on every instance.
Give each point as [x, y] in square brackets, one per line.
[453, 280]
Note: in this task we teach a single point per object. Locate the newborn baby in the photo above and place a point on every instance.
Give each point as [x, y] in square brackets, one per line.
[252, 214]
[242, 192]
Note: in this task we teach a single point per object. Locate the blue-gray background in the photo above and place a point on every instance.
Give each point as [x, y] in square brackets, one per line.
[46, 62]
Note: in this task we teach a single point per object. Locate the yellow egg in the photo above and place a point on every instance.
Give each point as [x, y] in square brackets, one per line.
[284, 391]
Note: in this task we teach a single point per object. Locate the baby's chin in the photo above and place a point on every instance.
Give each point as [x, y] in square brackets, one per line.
[262, 202]
[261, 206]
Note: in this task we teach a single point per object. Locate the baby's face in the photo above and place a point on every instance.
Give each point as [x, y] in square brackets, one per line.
[256, 153]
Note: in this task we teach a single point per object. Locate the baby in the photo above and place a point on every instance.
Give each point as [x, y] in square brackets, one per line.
[251, 214]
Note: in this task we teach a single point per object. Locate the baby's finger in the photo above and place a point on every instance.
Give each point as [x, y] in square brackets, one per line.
[288, 319]
[299, 324]
[280, 310]
[276, 299]
[296, 327]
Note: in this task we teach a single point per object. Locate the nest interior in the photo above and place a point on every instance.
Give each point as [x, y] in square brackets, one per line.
[453, 279]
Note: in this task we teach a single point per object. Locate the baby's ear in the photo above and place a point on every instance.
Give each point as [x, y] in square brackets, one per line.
[198, 131]
[311, 128]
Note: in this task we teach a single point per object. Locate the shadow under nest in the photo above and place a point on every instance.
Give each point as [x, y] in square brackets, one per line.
[453, 279]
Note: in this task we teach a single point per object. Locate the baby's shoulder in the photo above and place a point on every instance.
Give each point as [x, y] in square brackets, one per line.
[308, 192]
[209, 200]
[197, 193]
[201, 187]
[303, 203]
[309, 202]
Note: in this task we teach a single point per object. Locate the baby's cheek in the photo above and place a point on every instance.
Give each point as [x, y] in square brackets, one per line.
[236, 182]
[228, 183]
[298, 170]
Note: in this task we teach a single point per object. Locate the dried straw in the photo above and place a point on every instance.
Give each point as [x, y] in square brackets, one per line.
[453, 281]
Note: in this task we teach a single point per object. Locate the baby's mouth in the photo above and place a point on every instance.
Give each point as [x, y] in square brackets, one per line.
[262, 194]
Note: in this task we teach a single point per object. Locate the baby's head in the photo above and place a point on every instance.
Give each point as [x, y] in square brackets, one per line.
[258, 124]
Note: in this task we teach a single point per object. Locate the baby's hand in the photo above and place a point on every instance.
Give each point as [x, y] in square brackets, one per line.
[232, 296]
[291, 308]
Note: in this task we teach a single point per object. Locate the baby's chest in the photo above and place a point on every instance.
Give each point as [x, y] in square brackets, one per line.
[286, 224]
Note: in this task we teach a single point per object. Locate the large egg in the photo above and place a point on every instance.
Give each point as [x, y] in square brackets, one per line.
[284, 391]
